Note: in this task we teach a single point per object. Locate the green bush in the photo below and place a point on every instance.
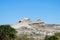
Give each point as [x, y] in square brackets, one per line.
[53, 37]
[7, 33]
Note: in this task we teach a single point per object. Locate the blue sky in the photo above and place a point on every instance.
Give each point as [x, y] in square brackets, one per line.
[11, 11]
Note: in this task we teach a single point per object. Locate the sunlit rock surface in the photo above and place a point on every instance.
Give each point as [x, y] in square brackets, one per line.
[35, 28]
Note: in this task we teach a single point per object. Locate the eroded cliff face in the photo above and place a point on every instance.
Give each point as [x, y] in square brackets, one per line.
[38, 28]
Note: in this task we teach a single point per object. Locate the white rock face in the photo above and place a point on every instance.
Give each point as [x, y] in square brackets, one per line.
[26, 26]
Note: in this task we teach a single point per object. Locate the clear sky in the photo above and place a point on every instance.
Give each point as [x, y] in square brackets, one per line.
[11, 11]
